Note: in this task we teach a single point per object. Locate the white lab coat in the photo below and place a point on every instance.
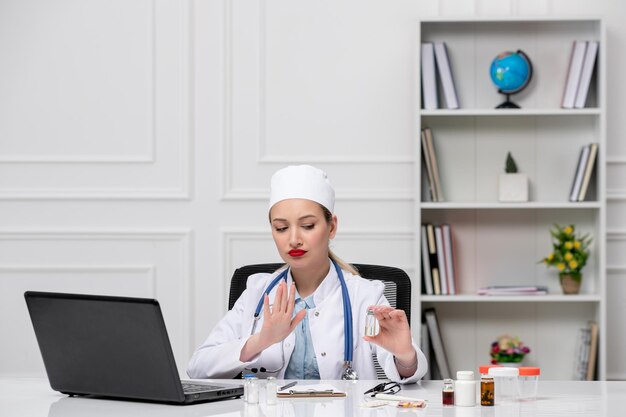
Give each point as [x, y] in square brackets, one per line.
[218, 357]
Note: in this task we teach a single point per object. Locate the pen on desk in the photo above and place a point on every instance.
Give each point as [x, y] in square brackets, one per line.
[289, 385]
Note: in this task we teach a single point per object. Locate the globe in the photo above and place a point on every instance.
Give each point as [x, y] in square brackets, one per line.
[510, 72]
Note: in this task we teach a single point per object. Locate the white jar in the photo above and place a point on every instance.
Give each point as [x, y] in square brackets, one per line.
[465, 395]
[506, 384]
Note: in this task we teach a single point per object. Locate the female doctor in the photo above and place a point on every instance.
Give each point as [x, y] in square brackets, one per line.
[307, 320]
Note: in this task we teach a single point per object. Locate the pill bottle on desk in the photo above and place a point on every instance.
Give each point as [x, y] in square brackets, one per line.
[465, 389]
[528, 382]
[487, 390]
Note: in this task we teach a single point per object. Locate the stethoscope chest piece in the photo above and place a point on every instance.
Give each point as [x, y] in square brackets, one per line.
[349, 374]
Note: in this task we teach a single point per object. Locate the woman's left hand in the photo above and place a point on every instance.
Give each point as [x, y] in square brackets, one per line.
[395, 333]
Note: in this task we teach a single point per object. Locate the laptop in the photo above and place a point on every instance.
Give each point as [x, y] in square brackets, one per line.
[115, 347]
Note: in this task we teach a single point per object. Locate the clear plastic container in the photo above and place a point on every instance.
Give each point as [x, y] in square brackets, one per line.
[506, 384]
[270, 390]
[528, 382]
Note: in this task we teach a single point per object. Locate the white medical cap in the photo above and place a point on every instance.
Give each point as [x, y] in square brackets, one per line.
[302, 181]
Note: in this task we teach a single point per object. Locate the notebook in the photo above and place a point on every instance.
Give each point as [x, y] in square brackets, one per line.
[112, 347]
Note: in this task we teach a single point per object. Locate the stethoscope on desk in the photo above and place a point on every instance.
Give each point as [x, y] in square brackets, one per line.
[348, 372]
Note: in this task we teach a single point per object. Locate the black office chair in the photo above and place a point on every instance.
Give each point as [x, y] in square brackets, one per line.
[397, 287]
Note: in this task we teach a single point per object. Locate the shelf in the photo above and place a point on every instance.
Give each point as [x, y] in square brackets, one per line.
[510, 112]
[500, 206]
[496, 243]
[511, 298]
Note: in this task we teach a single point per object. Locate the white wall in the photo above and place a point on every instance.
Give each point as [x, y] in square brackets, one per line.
[137, 140]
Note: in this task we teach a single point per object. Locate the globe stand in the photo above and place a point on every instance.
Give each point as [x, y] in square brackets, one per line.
[508, 104]
[510, 76]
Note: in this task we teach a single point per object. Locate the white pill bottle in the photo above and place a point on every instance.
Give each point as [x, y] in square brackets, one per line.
[466, 385]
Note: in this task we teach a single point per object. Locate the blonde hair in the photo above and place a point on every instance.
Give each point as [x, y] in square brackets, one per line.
[342, 264]
[328, 216]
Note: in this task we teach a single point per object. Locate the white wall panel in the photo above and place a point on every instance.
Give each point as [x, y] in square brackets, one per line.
[149, 263]
[328, 97]
[91, 112]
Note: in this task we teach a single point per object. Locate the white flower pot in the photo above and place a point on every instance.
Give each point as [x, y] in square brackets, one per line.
[513, 187]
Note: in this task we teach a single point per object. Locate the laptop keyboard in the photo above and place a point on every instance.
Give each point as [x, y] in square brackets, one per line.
[189, 387]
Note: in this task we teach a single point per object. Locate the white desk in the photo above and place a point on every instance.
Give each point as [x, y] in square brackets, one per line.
[25, 397]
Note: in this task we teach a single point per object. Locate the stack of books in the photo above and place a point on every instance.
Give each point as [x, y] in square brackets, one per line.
[433, 347]
[584, 169]
[431, 166]
[436, 53]
[581, 68]
[438, 261]
[514, 290]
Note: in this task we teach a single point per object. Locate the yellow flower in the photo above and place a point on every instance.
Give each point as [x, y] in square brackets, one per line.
[568, 230]
[561, 266]
[568, 256]
[568, 245]
[573, 264]
[550, 257]
[577, 244]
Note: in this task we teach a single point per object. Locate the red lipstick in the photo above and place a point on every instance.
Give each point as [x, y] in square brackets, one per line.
[296, 252]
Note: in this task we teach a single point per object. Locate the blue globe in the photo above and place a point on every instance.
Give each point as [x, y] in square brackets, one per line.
[511, 72]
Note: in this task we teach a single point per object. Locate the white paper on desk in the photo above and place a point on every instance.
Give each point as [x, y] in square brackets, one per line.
[303, 389]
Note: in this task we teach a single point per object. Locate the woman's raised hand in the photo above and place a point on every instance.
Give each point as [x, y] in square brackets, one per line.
[278, 322]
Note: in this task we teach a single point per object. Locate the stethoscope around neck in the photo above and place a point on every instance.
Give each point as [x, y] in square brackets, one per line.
[348, 371]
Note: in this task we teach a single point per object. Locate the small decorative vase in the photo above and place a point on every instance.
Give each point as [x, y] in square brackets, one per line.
[513, 188]
[570, 283]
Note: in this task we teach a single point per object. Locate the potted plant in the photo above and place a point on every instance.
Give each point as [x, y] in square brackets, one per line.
[512, 185]
[569, 255]
[508, 350]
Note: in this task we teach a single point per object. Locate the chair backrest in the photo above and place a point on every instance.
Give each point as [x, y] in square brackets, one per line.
[397, 288]
[397, 282]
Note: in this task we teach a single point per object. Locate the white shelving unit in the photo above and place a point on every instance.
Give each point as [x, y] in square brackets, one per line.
[500, 243]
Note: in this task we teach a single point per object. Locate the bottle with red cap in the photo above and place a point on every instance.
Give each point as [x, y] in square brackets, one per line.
[528, 382]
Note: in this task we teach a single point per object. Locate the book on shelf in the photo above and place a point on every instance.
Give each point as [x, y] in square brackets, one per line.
[450, 258]
[429, 168]
[577, 58]
[580, 173]
[425, 345]
[441, 260]
[431, 154]
[426, 271]
[589, 166]
[513, 290]
[592, 357]
[445, 75]
[439, 351]
[438, 259]
[429, 77]
[586, 352]
[432, 258]
[580, 355]
[588, 65]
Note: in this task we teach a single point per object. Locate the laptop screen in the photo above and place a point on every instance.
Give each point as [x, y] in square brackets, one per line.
[109, 346]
